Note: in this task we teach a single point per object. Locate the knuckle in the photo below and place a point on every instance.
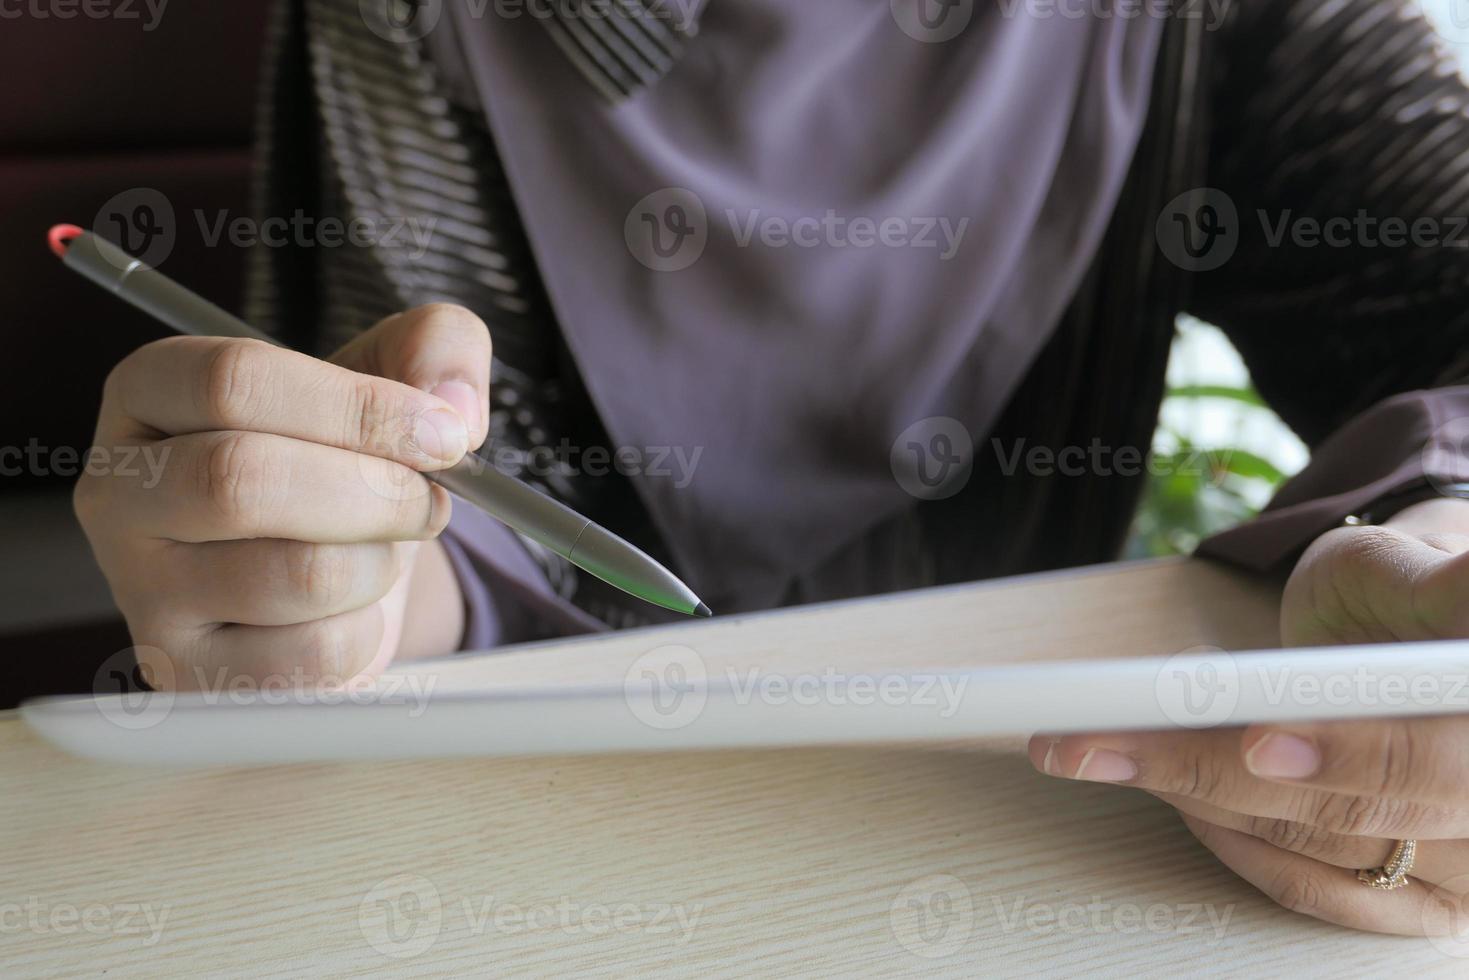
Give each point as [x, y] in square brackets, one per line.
[87, 500]
[115, 382]
[335, 649]
[1365, 548]
[370, 416]
[322, 574]
[235, 386]
[1359, 816]
[414, 512]
[134, 362]
[236, 479]
[434, 516]
[1395, 761]
[161, 669]
[1345, 576]
[1299, 889]
[325, 650]
[1196, 774]
[454, 325]
[1285, 834]
[448, 315]
[1299, 838]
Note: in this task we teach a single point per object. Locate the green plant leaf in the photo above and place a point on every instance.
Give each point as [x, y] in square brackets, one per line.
[1246, 395]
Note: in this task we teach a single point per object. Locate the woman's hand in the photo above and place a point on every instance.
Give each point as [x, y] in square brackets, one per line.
[279, 539]
[1297, 810]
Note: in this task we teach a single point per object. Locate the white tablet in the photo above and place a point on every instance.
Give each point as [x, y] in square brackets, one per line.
[674, 710]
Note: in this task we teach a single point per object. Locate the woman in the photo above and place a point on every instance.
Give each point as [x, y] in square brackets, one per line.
[846, 263]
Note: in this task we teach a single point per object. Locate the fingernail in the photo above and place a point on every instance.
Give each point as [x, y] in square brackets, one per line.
[464, 398]
[1048, 765]
[440, 434]
[1282, 756]
[1106, 766]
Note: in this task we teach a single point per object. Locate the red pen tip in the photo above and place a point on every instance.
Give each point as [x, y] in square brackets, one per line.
[60, 236]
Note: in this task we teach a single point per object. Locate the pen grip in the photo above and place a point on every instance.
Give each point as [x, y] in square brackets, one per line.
[533, 514]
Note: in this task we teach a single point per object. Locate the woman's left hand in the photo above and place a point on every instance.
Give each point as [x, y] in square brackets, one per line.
[1298, 809]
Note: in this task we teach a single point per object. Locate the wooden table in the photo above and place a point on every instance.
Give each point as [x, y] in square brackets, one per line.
[958, 861]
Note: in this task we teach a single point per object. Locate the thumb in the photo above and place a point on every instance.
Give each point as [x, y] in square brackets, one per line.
[440, 348]
[1376, 584]
[1442, 586]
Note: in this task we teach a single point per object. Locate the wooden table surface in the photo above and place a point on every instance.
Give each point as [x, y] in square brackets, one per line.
[957, 861]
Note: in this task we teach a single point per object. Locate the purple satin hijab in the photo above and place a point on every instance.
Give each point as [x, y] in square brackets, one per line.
[766, 328]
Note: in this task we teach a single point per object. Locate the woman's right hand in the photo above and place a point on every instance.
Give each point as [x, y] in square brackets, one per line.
[278, 532]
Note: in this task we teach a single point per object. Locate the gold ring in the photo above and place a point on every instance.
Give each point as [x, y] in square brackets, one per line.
[1394, 874]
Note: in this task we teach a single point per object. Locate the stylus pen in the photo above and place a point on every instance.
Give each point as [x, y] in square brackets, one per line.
[586, 545]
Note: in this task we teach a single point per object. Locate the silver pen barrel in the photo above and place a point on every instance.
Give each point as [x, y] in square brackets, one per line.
[585, 544]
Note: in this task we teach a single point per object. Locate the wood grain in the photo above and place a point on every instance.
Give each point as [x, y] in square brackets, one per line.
[941, 862]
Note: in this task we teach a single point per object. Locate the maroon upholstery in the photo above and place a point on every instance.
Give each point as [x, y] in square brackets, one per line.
[95, 107]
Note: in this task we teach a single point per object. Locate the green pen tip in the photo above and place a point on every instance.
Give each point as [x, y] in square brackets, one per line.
[703, 610]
